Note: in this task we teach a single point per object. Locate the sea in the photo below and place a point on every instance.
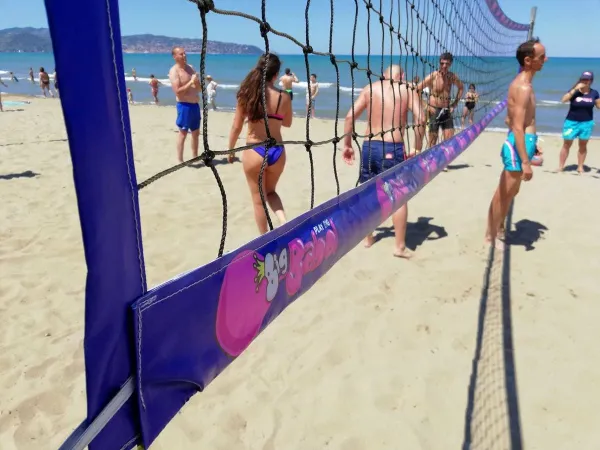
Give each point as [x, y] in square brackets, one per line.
[558, 75]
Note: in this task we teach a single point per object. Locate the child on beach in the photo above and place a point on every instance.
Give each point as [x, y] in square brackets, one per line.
[129, 96]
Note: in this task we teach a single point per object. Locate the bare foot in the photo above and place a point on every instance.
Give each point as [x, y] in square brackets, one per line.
[369, 241]
[403, 253]
[498, 243]
[579, 171]
[502, 233]
[445, 169]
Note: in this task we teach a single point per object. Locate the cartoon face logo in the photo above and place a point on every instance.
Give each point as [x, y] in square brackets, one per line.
[243, 302]
[272, 269]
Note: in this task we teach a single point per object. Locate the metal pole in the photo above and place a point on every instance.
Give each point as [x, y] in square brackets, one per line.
[532, 22]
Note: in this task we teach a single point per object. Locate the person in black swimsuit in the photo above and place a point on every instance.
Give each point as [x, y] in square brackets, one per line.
[470, 100]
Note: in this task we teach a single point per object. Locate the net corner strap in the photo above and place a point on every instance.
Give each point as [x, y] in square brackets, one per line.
[85, 433]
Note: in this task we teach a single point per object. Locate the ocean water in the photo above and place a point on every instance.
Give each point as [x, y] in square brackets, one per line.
[558, 75]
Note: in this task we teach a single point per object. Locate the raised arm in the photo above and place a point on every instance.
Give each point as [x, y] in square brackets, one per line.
[571, 92]
[176, 85]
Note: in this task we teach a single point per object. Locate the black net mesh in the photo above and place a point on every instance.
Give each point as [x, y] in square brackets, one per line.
[411, 33]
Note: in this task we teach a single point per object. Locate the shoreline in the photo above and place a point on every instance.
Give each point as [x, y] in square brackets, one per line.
[32, 98]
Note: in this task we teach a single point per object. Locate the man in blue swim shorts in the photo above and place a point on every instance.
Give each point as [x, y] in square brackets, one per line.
[386, 147]
[186, 86]
[519, 148]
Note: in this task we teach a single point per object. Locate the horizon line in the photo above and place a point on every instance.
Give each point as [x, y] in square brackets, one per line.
[301, 54]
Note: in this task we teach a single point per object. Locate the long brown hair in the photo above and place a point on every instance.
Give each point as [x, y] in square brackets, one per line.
[249, 96]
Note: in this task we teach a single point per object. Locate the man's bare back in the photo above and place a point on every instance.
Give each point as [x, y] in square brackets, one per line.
[287, 81]
[396, 99]
[181, 76]
[387, 104]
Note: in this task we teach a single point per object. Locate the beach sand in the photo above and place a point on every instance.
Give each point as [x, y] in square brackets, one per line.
[378, 355]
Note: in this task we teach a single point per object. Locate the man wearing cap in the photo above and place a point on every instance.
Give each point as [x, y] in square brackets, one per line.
[580, 119]
[211, 92]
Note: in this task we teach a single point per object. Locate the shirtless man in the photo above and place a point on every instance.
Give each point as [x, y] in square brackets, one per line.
[186, 85]
[519, 148]
[386, 150]
[287, 82]
[441, 106]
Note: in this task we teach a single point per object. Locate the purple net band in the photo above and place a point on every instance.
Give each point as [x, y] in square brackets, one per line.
[503, 19]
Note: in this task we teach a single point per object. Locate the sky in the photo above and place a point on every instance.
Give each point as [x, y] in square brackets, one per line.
[559, 23]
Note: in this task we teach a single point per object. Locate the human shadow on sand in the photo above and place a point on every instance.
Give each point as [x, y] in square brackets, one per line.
[526, 233]
[26, 174]
[416, 232]
[458, 166]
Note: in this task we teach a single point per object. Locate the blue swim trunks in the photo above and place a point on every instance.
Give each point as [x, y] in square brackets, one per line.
[188, 116]
[573, 130]
[510, 156]
[384, 156]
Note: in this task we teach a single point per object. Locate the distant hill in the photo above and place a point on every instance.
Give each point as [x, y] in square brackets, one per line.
[38, 40]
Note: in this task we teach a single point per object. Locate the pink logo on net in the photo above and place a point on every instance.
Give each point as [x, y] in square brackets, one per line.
[252, 281]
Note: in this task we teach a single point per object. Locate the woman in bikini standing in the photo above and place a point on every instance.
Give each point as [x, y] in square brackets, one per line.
[279, 114]
[470, 101]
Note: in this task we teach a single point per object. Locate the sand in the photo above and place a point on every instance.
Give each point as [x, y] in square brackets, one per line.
[377, 355]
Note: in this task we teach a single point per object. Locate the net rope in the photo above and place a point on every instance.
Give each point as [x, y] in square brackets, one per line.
[418, 32]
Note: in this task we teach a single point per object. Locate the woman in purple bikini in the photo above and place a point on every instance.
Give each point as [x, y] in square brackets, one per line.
[279, 114]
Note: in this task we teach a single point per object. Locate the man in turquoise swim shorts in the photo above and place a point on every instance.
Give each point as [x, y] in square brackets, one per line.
[186, 85]
[519, 147]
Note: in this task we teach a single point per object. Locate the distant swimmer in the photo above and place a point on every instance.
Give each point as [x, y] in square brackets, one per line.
[311, 94]
[580, 119]
[154, 85]
[287, 82]
[45, 82]
[31, 78]
[519, 149]
[279, 114]
[12, 77]
[134, 74]
[55, 81]
[386, 149]
[3, 84]
[211, 92]
[470, 101]
[441, 104]
[186, 86]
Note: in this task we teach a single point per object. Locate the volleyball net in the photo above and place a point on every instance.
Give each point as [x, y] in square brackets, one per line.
[147, 351]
